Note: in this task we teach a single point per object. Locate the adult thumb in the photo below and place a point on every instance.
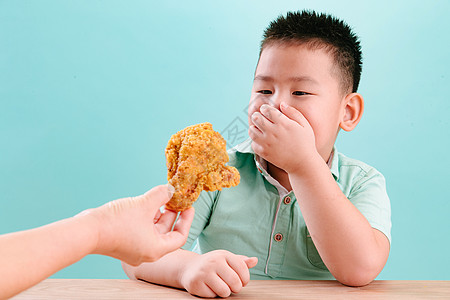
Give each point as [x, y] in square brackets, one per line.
[159, 195]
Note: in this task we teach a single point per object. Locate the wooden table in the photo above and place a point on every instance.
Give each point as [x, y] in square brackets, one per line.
[257, 289]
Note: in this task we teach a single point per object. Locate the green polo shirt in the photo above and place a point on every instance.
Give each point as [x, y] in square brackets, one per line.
[259, 218]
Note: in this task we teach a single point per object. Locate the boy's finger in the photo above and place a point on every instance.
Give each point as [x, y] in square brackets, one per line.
[204, 291]
[293, 114]
[271, 113]
[259, 121]
[251, 262]
[254, 132]
[257, 148]
[238, 263]
[218, 286]
[231, 278]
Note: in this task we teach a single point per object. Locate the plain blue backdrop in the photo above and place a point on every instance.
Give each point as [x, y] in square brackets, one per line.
[91, 91]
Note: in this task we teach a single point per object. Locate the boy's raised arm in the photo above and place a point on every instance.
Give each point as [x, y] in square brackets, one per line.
[352, 250]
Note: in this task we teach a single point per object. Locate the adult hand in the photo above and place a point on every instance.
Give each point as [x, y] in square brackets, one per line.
[130, 229]
[134, 230]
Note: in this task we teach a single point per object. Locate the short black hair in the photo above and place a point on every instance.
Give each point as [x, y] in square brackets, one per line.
[320, 31]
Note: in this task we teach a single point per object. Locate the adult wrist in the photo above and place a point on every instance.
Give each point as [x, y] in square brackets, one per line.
[90, 226]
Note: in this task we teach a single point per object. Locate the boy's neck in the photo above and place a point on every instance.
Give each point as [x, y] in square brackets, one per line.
[280, 175]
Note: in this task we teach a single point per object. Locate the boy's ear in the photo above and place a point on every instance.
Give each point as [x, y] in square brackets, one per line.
[352, 111]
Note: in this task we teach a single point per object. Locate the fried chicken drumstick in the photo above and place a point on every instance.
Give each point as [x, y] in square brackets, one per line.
[196, 158]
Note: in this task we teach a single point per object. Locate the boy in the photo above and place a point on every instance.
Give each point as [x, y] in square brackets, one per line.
[302, 209]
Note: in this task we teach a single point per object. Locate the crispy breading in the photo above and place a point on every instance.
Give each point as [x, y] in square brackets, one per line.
[196, 158]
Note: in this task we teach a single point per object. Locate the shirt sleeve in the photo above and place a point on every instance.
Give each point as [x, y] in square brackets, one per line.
[203, 208]
[370, 197]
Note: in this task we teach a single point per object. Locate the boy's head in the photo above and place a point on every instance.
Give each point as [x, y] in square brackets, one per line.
[313, 63]
[320, 31]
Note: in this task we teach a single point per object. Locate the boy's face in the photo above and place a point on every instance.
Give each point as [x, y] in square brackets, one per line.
[304, 79]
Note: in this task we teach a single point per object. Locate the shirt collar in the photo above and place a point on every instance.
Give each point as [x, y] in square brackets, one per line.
[334, 167]
[246, 147]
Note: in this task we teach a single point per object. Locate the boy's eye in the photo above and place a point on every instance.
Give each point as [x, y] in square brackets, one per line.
[300, 93]
[265, 92]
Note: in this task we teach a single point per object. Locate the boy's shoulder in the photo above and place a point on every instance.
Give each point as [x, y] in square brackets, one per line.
[350, 171]
[340, 160]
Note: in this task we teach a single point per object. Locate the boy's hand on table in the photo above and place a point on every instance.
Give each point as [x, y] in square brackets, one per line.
[285, 138]
[134, 230]
[217, 273]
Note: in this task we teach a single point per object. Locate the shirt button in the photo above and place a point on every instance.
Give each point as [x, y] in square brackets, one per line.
[278, 237]
[287, 200]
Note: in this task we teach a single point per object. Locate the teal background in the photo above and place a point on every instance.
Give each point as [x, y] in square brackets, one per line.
[91, 91]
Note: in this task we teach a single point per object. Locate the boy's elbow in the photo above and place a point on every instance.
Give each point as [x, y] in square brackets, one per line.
[358, 276]
[355, 280]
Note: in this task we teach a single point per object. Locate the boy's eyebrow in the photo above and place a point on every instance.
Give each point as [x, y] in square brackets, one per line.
[295, 78]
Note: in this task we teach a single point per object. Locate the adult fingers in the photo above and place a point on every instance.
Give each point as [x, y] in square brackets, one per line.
[184, 221]
[166, 220]
[169, 242]
[155, 198]
[157, 216]
[177, 237]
